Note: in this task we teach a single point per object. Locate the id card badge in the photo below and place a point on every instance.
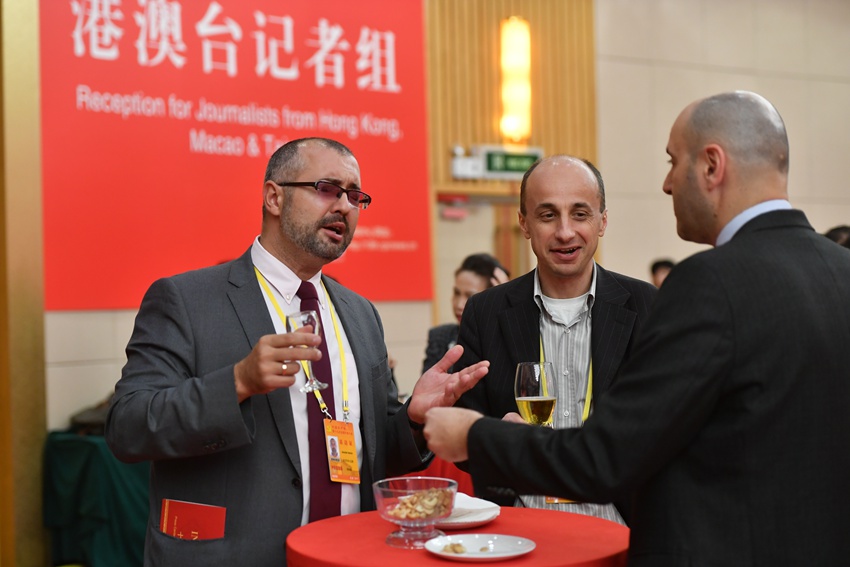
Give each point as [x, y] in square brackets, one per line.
[555, 500]
[342, 451]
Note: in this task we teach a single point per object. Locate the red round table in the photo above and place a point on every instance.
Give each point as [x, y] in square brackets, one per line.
[562, 539]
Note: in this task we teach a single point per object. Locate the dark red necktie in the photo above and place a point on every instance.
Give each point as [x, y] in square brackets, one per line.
[324, 494]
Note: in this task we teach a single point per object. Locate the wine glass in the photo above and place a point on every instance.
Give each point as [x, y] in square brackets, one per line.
[295, 322]
[534, 390]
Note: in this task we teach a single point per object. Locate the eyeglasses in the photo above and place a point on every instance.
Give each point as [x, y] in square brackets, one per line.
[356, 198]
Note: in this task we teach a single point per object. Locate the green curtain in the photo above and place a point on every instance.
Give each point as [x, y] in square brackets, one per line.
[95, 506]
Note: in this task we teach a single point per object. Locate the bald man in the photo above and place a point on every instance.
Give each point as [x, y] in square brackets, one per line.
[730, 421]
[569, 311]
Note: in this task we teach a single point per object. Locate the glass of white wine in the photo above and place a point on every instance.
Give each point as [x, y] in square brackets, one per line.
[295, 322]
[534, 390]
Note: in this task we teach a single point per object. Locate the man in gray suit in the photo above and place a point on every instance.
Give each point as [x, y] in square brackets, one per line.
[207, 397]
[730, 421]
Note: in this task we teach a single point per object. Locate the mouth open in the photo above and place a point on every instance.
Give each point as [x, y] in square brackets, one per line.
[566, 253]
[335, 230]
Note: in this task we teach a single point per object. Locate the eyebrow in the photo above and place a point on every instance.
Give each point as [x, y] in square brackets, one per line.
[337, 181]
[573, 206]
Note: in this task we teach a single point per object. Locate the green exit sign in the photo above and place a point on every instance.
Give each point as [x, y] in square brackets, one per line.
[509, 162]
[491, 161]
[505, 162]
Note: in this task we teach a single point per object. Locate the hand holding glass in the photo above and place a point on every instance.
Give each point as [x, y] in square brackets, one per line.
[295, 322]
[534, 390]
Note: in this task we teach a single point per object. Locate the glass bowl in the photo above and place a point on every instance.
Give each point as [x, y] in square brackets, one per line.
[415, 504]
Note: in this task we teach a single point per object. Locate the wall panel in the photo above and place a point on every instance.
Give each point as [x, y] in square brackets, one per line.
[464, 79]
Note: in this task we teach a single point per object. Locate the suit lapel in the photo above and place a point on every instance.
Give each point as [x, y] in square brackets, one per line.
[250, 306]
[351, 324]
[520, 322]
[611, 327]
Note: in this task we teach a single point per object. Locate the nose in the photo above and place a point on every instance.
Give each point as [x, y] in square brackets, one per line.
[565, 229]
[667, 186]
[342, 205]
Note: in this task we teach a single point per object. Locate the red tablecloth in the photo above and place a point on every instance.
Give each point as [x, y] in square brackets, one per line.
[562, 539]
[445, 469]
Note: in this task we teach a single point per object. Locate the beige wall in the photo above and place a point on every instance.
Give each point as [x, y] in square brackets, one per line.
[656, 56]
[653, 57]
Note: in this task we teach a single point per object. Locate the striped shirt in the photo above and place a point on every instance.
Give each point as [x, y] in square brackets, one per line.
[565, 330]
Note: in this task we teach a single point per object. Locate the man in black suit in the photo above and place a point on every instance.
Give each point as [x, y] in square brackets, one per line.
[569, 311]
[730, 421]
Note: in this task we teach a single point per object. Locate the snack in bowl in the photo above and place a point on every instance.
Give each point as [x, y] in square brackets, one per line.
[415, 504]
[431, 503]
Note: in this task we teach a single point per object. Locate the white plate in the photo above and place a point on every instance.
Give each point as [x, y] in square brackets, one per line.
[496, 547]
[469, 512]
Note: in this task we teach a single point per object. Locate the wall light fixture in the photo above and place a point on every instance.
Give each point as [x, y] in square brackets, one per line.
[515, 124]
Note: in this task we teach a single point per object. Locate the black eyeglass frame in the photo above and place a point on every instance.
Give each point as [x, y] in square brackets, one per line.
[364, 198]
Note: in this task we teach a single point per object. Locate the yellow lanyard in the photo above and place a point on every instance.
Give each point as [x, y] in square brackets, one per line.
[586, 412]
[345, 405]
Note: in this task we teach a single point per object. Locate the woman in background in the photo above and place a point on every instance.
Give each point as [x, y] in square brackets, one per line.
[477, 273]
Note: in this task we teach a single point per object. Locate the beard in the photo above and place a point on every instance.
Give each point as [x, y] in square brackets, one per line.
[694, 213]
[308, 236]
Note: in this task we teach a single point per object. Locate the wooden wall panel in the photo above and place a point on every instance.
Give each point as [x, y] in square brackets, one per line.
[464, 79]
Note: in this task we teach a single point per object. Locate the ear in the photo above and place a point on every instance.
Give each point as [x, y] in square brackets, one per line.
[272, 198]
[604, 224]
[715, 166]
[522, 225]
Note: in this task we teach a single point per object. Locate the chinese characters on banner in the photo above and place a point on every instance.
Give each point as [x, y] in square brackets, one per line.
[159, 116]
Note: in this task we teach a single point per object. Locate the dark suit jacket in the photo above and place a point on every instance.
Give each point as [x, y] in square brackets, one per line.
[730, 421]
[440, 339]
[176, 406]
[502, 325]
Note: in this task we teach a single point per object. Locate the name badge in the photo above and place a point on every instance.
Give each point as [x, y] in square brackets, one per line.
[342, 451]
[555, 500]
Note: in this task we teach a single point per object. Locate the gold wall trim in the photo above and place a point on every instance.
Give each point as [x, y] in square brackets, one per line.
[22, 366]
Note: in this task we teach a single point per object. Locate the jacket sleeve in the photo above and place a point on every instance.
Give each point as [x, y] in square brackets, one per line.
[162, 407]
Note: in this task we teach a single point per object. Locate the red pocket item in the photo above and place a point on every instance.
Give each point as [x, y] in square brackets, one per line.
[190, 520]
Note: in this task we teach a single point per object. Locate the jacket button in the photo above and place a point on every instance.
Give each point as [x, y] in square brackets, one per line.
[296, 482]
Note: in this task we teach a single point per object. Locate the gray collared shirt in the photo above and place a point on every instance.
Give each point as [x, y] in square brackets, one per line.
[565, 331]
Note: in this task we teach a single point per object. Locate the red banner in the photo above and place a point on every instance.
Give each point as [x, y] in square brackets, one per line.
[159, 116]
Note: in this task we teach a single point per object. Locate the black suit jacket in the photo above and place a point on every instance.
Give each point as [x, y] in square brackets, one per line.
[440, 339]
[502, 325]
[730, 421]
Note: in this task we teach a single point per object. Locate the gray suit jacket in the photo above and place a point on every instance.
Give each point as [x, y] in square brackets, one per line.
[729, 422]
[176, 406]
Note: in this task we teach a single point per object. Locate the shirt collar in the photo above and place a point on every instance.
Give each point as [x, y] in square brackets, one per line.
[538, 291]
[746, 216]
[279, 276]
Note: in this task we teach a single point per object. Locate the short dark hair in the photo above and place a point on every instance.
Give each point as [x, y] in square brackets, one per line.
[287, 162]
[593, 169]
[839, 234]
[481, 264]
[660, 264]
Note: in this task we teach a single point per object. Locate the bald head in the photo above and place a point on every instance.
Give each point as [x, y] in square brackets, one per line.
[745, 124]
[562, 160]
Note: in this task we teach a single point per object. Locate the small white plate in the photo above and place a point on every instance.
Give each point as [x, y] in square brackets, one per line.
[469, 512]
[481, 547]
